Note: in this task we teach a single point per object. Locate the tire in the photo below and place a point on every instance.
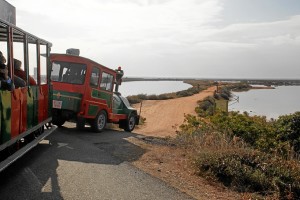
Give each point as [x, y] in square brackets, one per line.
[80, 123]
[130, 123]
[58, 121]
[99, 122]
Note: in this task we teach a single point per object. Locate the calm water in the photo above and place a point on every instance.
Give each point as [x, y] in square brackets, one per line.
[269, 102]
[151, 87]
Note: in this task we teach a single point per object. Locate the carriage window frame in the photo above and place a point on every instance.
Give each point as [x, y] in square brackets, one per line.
[33, 59]
[95, 76]
[61, 72]
[106, 81]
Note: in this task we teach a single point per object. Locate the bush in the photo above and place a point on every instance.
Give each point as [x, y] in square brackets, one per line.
[133, 99]
[206, 107]
[217, 96]
[288, 130]
[183, 93]
[242, 125]
[249, 154]
[225, 96]
[136, 98]
[142, 96]
[225, 93]
[165, 96]
[248, 170]
[188, 92]
[240, 86]
[281, 136]
[152, 97]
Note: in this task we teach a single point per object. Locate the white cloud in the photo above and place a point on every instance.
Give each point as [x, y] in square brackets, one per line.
[165, 37]
[259, 32]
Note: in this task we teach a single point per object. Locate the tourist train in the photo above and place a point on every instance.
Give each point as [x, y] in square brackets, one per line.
[38, 89]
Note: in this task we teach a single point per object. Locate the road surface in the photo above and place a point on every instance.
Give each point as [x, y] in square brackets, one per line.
[83, 165]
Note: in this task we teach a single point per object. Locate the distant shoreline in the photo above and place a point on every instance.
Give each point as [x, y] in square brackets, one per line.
[266, 82]
[262, 87]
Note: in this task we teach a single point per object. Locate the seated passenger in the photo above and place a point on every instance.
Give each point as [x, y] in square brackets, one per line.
[21, 73]
[5, 81]
[18, 82]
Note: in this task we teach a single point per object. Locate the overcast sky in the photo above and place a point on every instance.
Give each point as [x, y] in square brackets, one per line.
[174, 38]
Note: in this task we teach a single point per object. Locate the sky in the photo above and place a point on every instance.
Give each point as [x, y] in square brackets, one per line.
[257, 39]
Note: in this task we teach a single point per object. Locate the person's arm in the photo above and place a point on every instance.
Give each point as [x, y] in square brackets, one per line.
[6, 84]
[8, 81]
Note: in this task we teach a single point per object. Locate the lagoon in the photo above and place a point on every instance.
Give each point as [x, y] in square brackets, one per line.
[152, 87]
[268, 102]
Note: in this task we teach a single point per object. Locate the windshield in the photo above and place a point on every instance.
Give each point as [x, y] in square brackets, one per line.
[68, 72]
[126, 102]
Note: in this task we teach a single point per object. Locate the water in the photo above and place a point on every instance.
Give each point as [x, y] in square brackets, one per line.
[268, 102]
[152, 87]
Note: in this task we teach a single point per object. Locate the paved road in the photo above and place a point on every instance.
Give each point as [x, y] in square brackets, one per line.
[83, 165]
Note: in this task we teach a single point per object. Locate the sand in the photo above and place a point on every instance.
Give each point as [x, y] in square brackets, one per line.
[164, 116]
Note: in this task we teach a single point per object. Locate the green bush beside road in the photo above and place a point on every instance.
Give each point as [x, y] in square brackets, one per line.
[248, 154]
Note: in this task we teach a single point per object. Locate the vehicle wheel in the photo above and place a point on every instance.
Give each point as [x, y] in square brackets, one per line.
[80, 123]
[99, 122]
[58, 121]
[130, 123]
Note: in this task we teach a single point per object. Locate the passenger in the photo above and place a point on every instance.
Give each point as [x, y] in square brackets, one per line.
[5, 81]
[2, 58]
[21, 73]
[18, 82]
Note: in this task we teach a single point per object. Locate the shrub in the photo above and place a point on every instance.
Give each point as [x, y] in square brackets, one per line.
[288, 130]
[188, 92]
[152, 97]
[249, 154]
[165, 96]
[225, 92]
[248, 170]
[206, 107]
[267, 136]
[142, 96]
[241, 125]
[133, 99]
[217, 96]
[225, 96]
[142, 120]
[183, 93]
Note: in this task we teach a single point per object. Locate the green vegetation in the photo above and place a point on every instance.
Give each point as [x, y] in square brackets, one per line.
[140, 97]
[248, 154]
[237, 87]
[197, 86]
[220, 99]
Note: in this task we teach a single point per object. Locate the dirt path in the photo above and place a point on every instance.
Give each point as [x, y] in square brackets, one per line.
[163, 116]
